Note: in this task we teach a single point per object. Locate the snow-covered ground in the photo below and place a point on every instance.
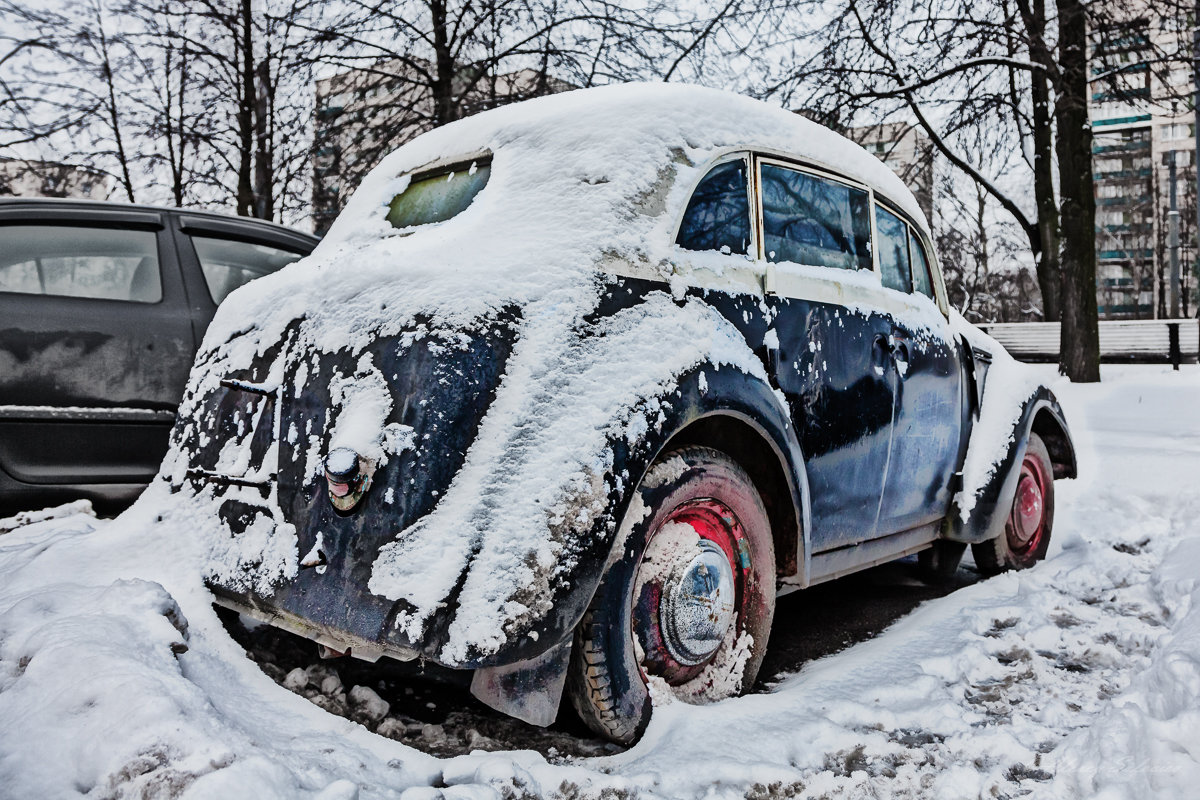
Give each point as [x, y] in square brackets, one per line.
[1079, 678]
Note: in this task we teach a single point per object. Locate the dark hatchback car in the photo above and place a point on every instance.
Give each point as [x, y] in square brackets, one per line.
[573, 389]
[102, 308]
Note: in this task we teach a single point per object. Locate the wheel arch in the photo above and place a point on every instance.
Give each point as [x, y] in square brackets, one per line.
[723, 408]
[768, 467]
[1050, 426]
[1040, 414]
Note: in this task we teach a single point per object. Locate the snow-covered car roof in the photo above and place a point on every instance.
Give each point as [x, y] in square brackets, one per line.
[578, 179]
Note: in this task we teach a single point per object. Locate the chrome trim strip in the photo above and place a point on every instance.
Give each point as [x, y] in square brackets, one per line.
[218, 477]
[85, 414]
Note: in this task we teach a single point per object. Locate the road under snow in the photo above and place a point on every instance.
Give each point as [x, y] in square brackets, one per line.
[1079, 678]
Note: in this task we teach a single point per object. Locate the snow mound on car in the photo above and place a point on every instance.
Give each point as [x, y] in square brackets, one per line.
[578, 181]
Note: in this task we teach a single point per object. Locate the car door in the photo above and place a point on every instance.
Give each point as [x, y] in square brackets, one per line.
[927, 419]
[831, 356]
[95, 344]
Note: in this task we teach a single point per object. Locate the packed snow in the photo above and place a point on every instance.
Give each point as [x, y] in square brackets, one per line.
[1078, 678]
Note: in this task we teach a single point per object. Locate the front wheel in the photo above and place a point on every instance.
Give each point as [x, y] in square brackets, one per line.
[687, 604]
[1027, 530]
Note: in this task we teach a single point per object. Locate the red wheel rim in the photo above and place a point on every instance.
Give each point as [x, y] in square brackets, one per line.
[1027, 523]
[719, 532]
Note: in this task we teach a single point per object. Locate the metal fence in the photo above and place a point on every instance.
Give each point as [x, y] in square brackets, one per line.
[1157, 341]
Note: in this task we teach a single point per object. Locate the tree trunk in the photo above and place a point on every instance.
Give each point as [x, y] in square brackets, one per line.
[245, 114]
[443, 79]
[264, 157]
[1079, 357]
[1048, 267]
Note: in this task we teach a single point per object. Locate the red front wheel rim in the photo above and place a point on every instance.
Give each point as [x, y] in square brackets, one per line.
[1027, 523]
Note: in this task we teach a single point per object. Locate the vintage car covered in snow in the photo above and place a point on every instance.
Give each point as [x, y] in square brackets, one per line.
[573, 389]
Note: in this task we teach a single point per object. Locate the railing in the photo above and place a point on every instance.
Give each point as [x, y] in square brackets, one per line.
[1157, 341]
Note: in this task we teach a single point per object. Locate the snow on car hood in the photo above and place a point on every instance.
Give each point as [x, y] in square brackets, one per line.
[578, 181]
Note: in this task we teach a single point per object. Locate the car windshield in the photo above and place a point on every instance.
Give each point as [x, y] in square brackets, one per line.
[438, 196]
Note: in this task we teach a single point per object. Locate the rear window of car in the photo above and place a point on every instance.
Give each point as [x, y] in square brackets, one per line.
[228, 263]
[718, 214]
[78, 261]
[438, 196]
[816, 221]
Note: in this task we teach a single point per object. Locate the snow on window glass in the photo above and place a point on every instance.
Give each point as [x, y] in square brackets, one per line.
[814, 221]
[438, 197]
[73, 261]
[718, 215]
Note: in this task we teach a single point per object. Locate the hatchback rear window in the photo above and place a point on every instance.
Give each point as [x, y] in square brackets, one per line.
[438, 196]
[228, 264]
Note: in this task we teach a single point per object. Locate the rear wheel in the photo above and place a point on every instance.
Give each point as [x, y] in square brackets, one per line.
[687, 605]
[1027, 530]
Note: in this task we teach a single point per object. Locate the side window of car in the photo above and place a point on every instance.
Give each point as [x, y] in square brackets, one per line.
[922, 277]
[812, 220]
[77, 261]
[893, 250]
[718, 214]
[228, 263]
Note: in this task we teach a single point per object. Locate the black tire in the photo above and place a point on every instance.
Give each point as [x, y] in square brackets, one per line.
[696, 519]
[1023, 544]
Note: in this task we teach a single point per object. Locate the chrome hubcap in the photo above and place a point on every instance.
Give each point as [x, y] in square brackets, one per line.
[698, 604]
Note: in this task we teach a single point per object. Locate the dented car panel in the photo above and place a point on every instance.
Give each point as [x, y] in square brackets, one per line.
[340, 550]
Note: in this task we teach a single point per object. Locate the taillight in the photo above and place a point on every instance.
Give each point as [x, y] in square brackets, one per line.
[348, 477]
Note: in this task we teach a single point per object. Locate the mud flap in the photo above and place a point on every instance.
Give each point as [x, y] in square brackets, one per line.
[528, 690]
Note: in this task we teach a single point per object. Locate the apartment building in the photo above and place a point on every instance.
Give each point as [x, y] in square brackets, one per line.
[1139, 126]
[909, 153]
[363, 114]
[32, 178]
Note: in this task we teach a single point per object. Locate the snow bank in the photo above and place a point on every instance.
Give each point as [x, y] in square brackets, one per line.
[1078, 678]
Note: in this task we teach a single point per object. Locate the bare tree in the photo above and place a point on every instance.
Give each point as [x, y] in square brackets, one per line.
[407, 66]
[981, 251]
[1012, 66]
[68, 72]
[248, 67]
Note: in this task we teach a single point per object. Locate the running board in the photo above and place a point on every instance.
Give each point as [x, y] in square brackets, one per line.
[836, 563]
